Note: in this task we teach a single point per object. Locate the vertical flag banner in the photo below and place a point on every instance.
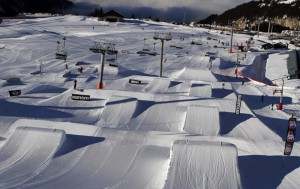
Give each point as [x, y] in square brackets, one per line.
[290, 136]
[238, 104]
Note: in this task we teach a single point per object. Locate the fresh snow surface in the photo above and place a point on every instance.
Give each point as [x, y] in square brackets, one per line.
[287, 1]
[198, 117]
[190, 168]
[180, 130]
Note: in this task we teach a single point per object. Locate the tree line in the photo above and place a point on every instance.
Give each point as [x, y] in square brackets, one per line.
[254, 10]
[14, 7]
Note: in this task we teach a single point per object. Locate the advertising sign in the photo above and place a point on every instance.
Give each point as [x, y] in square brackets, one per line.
[15, 93]
[113, 65]
[80, 97]
[135, 81]
[290, 136]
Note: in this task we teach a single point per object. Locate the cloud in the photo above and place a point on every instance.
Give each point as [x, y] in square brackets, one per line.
[166, 8]
[213, 6]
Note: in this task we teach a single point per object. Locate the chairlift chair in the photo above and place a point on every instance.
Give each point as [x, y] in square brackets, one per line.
[146, 48]
[61, 54]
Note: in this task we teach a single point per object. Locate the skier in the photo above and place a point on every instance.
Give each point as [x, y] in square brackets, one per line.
[223, 84]
[75, 83]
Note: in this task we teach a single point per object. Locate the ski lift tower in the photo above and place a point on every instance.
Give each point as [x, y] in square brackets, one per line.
[231, 38]
[280, 105]
[61, 53]
[162, 37]
[238, 63]
[103, 48]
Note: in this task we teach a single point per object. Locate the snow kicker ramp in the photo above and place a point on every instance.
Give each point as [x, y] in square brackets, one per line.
[161, 116]
[120, 159]
[201, 90]
[179, 88]
[26, 153]
[118, 111]
[77, 111]
[200, 62]
[202, 120]
[158, 85]
[167, 86]
[197, 75]
[203, 165]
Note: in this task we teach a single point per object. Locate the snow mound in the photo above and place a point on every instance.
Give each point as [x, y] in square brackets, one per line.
[77, 108]
[197, 75]
[118, 111]
[161, 116]
[124, 85]
[179, 88]
[202, 120]
[257, 70]
[200, 62]
[190, 168]
[104, 163]
[158, 85]
[201, 90]
[276, 66]
[26, 152]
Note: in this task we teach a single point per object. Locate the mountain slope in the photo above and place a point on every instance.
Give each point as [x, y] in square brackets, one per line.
[284, 12]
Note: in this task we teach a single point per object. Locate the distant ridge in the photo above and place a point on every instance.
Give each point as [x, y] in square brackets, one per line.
[283, 13]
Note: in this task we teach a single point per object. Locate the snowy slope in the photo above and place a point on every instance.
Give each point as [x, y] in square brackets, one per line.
[176, 131]
[191, 169]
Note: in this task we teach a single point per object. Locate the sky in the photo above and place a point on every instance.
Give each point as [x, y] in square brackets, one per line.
[192, 10]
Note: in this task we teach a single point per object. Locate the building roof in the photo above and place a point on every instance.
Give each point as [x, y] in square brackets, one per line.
[113, 13]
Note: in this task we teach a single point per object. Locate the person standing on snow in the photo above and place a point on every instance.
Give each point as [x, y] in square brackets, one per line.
[75, 83]
[223, 84]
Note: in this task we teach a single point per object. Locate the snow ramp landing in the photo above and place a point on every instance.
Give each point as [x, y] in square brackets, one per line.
[196, 164]
[118, 111]
[197, 75]
[167, 86]
[27, 152]
[202, 120]
[201, 90]
[158, 85]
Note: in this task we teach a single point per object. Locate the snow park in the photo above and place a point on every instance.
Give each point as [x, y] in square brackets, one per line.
[143, 104]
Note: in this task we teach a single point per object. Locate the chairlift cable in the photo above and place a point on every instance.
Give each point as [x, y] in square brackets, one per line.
[55, 35]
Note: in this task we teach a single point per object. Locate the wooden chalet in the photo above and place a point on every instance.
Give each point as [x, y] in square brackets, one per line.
[112, 16]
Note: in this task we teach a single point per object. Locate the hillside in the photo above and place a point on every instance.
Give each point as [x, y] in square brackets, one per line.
[281, 12]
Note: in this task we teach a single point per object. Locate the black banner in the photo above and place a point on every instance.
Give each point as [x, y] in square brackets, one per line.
[113, 65]
[135, 81]
[290, 136]
[15, 93]
[80, 97]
